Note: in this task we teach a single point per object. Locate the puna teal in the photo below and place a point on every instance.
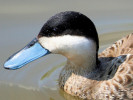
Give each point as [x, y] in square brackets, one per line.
[86, 74]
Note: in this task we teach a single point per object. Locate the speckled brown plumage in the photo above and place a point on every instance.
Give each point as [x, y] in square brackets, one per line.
[73, 35]
[112, 80]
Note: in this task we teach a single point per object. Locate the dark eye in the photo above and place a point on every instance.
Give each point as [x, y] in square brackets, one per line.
[55, 29]
[47, 31]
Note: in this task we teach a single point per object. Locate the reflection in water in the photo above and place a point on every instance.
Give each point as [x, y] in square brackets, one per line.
[51, 98]
[47, 74]
[16, 92]
[68, 96]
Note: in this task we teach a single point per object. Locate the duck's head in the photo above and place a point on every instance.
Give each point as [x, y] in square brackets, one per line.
[71, 34]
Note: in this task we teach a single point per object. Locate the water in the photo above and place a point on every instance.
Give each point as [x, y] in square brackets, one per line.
[20, 22]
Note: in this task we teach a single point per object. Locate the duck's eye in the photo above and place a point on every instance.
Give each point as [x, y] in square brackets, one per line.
[47, 31]
[55, 29]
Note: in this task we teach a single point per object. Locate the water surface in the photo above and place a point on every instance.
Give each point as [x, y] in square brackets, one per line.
[20, 22]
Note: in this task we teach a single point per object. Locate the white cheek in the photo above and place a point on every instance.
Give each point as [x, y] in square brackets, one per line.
[68, 43]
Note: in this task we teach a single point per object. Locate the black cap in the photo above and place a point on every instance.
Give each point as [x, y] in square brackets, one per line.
[70, 23]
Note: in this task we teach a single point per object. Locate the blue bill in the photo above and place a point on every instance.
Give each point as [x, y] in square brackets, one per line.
[29, 53]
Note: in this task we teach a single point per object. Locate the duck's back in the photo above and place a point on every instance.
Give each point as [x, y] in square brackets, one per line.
[121, 47]
[120, 86]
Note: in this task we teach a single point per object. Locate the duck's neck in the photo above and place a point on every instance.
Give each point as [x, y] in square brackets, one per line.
[82, 58]
[75, 73]
[81, 66]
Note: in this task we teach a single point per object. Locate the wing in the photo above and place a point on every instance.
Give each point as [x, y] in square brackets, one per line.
[121, 47]
[121, 85]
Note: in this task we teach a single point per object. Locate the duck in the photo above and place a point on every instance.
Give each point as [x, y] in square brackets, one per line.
[87, 74]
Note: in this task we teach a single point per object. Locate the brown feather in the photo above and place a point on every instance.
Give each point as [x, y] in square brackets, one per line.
[113, 80]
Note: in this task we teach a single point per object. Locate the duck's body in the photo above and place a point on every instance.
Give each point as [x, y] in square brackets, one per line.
[112, 79]
[85, 75]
